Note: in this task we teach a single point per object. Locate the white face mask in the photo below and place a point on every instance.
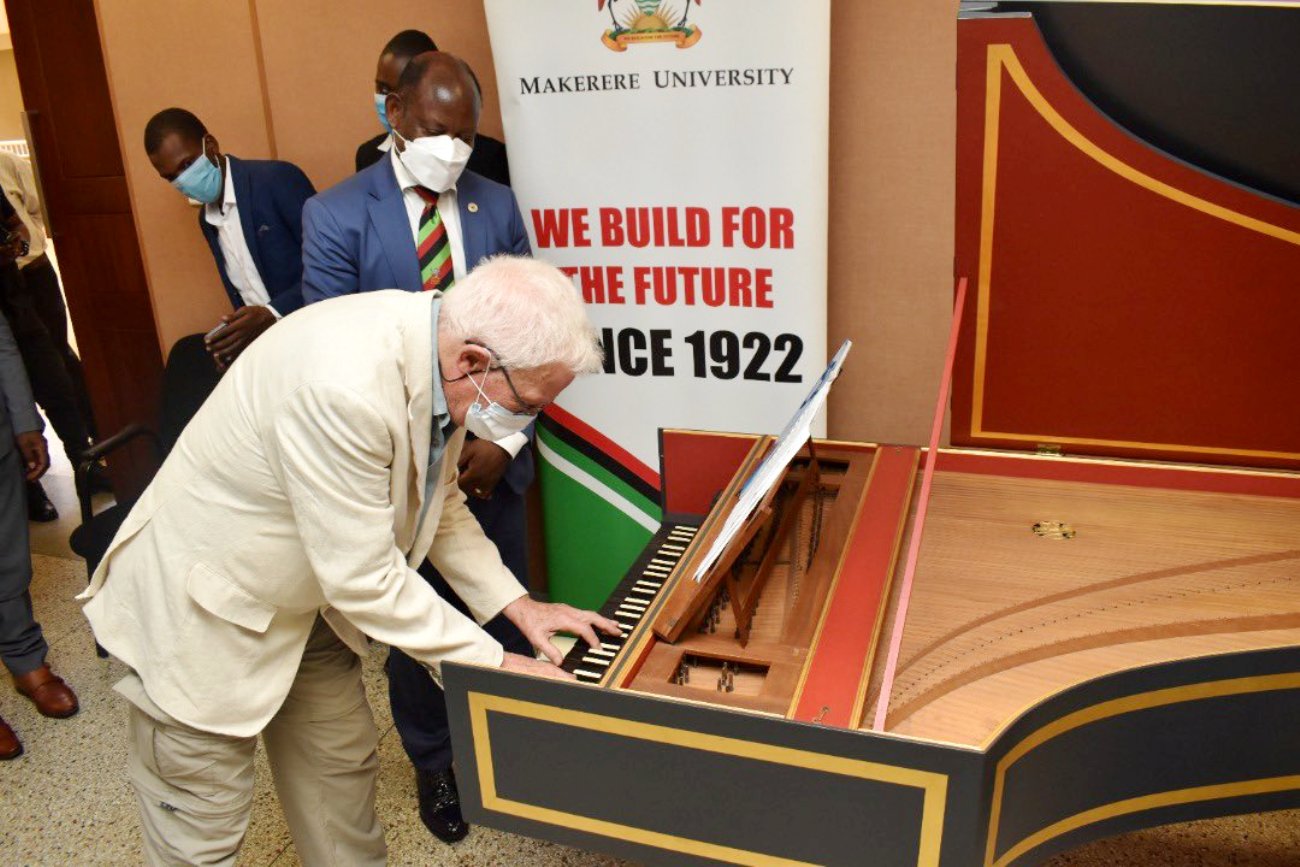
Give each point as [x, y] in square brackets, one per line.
[494, 421]
[436, 161]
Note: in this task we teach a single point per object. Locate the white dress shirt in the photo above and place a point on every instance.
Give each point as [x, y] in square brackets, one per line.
[20, 188]
[240, 267]
[449, 212]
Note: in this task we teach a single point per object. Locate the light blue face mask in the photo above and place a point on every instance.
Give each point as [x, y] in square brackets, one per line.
[201, 180]
[493, 421]
[380, 99]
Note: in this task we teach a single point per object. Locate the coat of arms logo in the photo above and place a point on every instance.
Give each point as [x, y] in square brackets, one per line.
[648, 21]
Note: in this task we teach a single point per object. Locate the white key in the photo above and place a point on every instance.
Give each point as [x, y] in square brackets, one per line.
[596, 661]
[595, 651]
[614, 648]
[644, 592]
[655, 561]
[651, 585]
[635, 604]
[588, 675]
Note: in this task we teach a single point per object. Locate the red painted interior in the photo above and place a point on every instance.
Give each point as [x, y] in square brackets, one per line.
[1116, 313]
[697, 465]
[854, 611]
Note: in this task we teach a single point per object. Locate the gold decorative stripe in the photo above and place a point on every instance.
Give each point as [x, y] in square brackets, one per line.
[1136, 444]
[1116, 707]
[1003, 56]
[1136, 463]
[933, 785]
[1149, 802]
[992, 117]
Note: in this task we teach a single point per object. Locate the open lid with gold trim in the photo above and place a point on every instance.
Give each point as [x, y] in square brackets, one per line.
[1122, 302]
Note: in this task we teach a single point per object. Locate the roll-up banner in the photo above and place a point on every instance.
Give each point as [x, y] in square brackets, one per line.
[671, 156]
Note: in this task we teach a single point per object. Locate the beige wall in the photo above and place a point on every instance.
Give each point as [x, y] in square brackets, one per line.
[893, 153]
[11, 99]
[291, 80]
[270, 79]
[320, 68]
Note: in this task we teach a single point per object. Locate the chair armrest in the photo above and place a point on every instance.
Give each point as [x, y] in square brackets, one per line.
[91, 456]
[117, 440]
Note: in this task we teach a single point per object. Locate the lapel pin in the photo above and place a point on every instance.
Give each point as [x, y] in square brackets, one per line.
[473, 207]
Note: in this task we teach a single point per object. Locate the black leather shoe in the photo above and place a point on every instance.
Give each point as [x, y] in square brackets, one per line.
[440, 804]
[39, 507]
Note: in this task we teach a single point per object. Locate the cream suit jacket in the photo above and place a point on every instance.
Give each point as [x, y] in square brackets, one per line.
[299, 488]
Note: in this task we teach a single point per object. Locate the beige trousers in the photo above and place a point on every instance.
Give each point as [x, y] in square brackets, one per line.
[195, 788]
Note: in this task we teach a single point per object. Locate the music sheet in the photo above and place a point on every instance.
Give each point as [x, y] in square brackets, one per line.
[769, 471]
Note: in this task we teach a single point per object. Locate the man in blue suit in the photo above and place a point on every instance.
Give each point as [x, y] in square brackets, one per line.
[251, 218]
[416, 220]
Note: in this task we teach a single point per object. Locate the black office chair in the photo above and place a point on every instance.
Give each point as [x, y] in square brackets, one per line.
[188, 379]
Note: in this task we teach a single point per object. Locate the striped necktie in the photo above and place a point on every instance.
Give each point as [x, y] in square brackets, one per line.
[433, 246]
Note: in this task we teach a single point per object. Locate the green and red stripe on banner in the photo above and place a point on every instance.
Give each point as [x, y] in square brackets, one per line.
[601, 506]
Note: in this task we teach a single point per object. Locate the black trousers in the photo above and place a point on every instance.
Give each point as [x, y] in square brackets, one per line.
[33, 303]
[419, 707]
[47, 300]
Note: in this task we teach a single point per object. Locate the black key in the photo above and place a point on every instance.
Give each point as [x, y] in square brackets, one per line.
[629, 601]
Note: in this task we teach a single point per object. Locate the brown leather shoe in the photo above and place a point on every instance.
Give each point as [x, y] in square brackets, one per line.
[10, 746]
[48, 692]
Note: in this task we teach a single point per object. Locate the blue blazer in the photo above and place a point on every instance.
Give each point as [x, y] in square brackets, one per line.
[270, 195]
[356, 237]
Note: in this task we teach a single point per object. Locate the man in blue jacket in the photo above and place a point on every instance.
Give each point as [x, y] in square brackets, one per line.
[251, 218]
[416, 220]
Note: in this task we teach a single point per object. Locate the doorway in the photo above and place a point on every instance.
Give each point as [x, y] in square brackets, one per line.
[60, 113]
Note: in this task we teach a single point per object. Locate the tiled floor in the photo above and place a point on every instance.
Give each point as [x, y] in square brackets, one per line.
[67, 801]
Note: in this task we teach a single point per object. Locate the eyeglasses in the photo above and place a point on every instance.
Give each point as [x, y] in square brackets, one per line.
[525, 407]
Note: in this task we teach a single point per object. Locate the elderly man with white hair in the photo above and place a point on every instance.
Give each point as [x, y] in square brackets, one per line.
[284, 529]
